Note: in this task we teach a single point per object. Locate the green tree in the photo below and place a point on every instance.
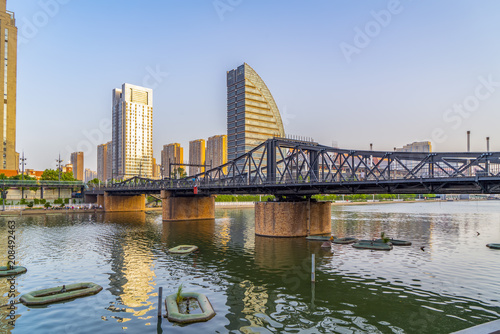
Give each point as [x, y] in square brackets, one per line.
[94, 182]
[178, 173]
[50, 175]
[68, 176]
[21, 177]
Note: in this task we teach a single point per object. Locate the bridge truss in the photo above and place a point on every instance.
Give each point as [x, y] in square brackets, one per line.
[286, 167]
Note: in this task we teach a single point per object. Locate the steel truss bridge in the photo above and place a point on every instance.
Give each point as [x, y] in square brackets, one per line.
[291, 168]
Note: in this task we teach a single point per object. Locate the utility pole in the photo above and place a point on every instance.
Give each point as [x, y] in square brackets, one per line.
[468, 150]
[59, 171]
[23, 163]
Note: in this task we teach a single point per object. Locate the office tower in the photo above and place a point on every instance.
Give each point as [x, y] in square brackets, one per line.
[171, 154]
[252, 114]
[196, 156]
[8, 29]
[132, 132]
[77, 162]
[216, 151]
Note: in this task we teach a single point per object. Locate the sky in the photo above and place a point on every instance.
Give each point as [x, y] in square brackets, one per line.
[349, 73]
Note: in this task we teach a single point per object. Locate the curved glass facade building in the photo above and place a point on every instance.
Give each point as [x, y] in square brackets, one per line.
[252, 114]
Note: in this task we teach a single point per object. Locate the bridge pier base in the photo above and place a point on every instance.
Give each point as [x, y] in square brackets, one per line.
[187, 208]
[292, 219]
[122, 203]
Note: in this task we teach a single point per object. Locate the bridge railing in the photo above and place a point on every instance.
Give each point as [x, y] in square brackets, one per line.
[41, 183]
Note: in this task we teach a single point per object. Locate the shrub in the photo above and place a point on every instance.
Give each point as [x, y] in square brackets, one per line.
[47, 205]
[30, 204]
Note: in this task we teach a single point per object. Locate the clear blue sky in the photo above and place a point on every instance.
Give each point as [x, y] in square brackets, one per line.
[397, 82]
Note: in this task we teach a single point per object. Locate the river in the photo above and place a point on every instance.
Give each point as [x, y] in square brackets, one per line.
[262, 285]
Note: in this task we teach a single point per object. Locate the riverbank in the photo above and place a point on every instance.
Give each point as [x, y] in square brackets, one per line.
[47, 212]
[243, 205]
[218, 205]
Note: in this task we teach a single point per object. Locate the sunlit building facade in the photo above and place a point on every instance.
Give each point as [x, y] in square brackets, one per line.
[8, 30]
[171, 154]
[132, 132]
[78, 165]
[216, 154]
[196, 156]
[252, 114]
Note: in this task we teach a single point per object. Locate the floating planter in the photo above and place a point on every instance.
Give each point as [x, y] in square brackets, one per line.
[319, 237]
[174, 314]
[493, 246]
[370, 241]
[344, 241]
[13, 271]
[60, 293]
[396, 242]
[183, 249]
[373, 246]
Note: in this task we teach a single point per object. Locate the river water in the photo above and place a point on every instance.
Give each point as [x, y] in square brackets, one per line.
[262, 285]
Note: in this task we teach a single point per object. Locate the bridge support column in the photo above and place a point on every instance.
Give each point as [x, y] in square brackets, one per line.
[292, 219]
[100, 200]
[123, 203]
[187, 208]
[90, 198]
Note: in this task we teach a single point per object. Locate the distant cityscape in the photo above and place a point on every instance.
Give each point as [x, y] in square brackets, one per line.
[252, 118]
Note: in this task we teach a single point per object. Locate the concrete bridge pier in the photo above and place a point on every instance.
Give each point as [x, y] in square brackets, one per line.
[119, 203]
[293, 219]
[187, 208]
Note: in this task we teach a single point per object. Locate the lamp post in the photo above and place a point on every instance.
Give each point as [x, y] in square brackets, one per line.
[22, 163]
[59, 171]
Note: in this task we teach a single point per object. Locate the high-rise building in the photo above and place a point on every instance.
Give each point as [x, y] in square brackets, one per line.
[196, 156]
[109, 164]
[132, 132]
[77, 162]
[8, 29]
[156, 170]
[171, 154]
[90, 175]
[216, 151]
[102, 162]
[252, 114]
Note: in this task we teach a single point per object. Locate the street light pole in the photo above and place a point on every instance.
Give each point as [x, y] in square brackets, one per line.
[23, 163]
[59, 170]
